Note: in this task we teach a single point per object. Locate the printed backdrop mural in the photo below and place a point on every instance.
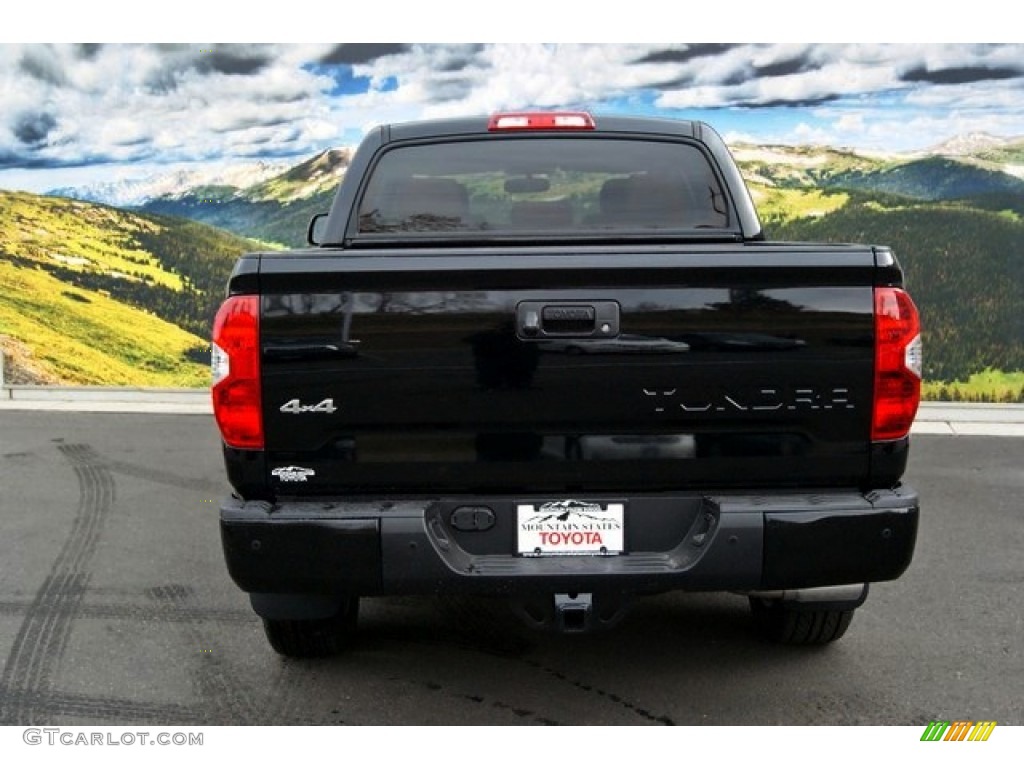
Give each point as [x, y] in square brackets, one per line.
[132, 175]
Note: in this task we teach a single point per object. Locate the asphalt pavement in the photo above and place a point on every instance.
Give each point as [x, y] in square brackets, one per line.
[115, 608]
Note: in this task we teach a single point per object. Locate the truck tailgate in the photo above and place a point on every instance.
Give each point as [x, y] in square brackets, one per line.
[471, 370]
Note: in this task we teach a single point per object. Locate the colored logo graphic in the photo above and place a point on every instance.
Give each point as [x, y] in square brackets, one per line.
[958, 730]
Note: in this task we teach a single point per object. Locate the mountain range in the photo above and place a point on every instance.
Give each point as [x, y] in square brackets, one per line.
[271, 203]
[134, 192]
[954, 216]
[965, 166]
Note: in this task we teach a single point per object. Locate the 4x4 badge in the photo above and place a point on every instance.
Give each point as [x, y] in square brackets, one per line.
[296, 406]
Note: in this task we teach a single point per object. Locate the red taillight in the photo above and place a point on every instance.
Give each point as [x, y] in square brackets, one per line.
[897, 364]
[235, 364]
[541, 121]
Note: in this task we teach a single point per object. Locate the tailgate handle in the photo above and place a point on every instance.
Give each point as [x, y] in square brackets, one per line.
[567, 319]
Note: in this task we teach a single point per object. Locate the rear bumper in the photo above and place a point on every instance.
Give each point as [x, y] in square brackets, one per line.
[740, 542]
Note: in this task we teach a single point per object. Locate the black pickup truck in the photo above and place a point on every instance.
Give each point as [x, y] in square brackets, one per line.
[552, 357]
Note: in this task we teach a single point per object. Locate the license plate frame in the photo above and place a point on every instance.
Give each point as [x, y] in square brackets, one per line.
[570, 528]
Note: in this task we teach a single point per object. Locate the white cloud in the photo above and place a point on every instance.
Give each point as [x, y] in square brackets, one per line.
[186, 101]
[807, 134]
[63, 105]
[850, 123]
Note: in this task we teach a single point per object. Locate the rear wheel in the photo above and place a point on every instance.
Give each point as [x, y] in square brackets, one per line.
[781, 623]
[311, 638]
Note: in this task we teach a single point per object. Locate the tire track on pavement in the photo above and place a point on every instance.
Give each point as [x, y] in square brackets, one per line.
[161, 477]
[144, 613]
[43, 636]
[223, 697]
[50, 705]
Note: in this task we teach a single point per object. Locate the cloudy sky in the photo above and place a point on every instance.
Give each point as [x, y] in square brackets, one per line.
[72, 114]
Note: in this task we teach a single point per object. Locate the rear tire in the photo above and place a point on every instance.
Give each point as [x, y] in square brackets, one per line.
[313, 638]
[779, 623]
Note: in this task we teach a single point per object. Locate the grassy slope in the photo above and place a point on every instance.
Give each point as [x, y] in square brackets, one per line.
[778, 205]
[79, 336]
[989, 386]
[83, 288]
[79, 236]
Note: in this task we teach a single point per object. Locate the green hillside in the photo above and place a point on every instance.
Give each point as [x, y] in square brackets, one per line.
[964, 266]
[1012, 152]
[956, 223]
[931, 178]
[90, 294]
[934, 177]
[269, 221]
[318, 175]
[801, 166]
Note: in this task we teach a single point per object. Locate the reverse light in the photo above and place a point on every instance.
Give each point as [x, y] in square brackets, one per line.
[541, 121]
[898, 364]
[235, 370]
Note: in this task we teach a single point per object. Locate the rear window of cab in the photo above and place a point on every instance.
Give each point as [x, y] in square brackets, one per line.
[520, 185]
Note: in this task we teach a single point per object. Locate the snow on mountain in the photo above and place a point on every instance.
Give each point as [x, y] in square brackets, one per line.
[138, 191]
[968, 144]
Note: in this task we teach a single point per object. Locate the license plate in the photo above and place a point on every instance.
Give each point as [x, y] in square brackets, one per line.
[570, 527]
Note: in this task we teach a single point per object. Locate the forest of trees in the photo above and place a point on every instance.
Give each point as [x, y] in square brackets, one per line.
[265, 220]
[964, 267]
